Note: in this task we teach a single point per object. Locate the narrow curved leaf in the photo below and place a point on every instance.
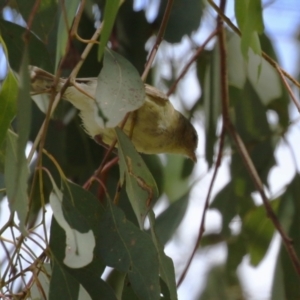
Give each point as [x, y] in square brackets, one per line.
[250, 21]
[8, 103]
[16, 176]
[259, 230]
[67, 14]
[140, 184]
[126, 248]
[169, 220]
[110, 13]
[166, 267]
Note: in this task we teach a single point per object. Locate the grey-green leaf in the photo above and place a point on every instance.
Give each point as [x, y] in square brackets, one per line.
[140, 184]
[16, 176]
[119, 90]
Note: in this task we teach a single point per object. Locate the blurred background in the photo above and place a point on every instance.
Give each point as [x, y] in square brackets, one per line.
[240, 255]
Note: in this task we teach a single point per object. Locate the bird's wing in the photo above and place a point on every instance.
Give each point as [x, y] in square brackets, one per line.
[156, 95]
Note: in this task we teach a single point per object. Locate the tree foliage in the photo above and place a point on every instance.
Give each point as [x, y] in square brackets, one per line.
[100, 202]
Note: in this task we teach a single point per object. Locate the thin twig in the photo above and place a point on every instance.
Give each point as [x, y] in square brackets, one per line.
[296, 102]
[244, 153]
[217, 165]
[59, 94]
[159, 39]
[206, 206]
[192, 59]
[271, 61]
[30, 20]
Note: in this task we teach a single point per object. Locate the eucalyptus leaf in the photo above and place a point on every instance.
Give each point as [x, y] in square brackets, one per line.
[24, 105]
[128, 249]
[12, 34]
[140, 184]
[74, 208]
[62, 284]
[169, 220]
[288, 213]
[119, 89]
[8, 103]
[110, 13]
[175, 186]
[67, 14]
[44, 16]
[250, 20]
[185, 17]
[16, 175]
[258, 229]
[211, 102]
[166, 267]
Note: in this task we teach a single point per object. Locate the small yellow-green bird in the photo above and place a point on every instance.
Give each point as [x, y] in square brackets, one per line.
[157, 126]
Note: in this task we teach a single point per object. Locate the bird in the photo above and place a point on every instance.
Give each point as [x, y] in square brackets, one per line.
[156, 127]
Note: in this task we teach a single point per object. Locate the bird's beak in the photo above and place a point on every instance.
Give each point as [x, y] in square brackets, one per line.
[193, 157]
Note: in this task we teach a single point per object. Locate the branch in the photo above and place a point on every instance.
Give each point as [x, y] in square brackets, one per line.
[206, 206]
[244, 153]
[271, 61]
[159, 39]
[193, 59]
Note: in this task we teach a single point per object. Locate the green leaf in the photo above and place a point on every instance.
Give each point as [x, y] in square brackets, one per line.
[175, 186]
[227, 203]
[126, 248]
[67, 14]
[237, 69]
[253, 126]
[119, 89]
[128, 292]
[62, 284]
[140, 184]
[211, 98]
[166, 267]
[8, 103]
[258, 230]
[132, 36]
[119, 243]
[12, 34]
[185, 18]
[219, 287]
[17, 166]
[2, 159]
[115, 280]
[250, 21]
[279, 105]
[44, 17]
[16, 170]
[232, 200]
[24, 105]
[78, 236]
[75, 211]
[236, 252]
[169, 220]
[278, 285]
[288, 211]
[267, 85]
[16, 176]
[110, 13]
